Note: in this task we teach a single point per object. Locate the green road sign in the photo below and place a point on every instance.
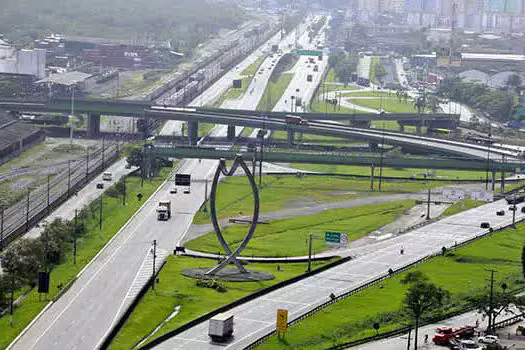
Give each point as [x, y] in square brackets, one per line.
[309, 52]
[335, 238]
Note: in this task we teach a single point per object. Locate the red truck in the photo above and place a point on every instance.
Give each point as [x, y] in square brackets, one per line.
[295, 120]
[445, 334]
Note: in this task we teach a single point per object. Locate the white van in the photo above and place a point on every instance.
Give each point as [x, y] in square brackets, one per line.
[107, 176]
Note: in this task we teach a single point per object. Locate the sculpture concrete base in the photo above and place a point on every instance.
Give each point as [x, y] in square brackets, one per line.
[228, 274]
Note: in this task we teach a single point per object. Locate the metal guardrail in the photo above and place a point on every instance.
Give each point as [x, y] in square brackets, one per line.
[374, 282]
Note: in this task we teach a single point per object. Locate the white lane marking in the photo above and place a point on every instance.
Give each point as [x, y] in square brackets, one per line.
[92, 278]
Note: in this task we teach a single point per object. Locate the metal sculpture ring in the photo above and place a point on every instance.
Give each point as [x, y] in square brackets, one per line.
[232, 256]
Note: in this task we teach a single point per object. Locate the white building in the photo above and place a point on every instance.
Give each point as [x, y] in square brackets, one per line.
[30, 62]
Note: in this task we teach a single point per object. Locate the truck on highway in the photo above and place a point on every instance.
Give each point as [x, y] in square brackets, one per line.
[295, 120]
[221, 327]
[316, 68]
[515, 199]
[444, 335]
[309, 78]
[164, 210]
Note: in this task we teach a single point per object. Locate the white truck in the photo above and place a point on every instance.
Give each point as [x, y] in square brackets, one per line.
[164, 210]
[221, 327]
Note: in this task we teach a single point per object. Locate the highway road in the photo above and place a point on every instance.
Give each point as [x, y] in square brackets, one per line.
[299, 86]
[256, 318]
[83, 316]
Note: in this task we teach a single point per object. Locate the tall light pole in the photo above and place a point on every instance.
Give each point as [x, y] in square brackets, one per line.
[488, 161]
[71, 116]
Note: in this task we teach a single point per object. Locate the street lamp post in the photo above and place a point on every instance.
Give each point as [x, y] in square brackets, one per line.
[488, 162]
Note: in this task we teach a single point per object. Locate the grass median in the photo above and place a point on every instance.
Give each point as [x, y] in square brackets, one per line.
[444, 174]
[462, 205]
[289, 237]
[87, 247]
[175, 290]
[462, 273]
[234, 196]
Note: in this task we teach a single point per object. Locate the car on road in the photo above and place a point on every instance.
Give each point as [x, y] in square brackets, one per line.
[100, 185]
[500, 212]
[173, 190]
[187, 190]
[107, 176]
[128, 166]
[513, 208]
[260, 72]
[485, 225]
[489, 339]
[470, 344]
[523, 209]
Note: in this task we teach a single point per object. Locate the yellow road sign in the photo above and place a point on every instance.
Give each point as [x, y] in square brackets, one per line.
[282, 320]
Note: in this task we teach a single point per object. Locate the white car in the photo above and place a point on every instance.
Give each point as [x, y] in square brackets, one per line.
[470, 344]
[187, 190]
[489, 339]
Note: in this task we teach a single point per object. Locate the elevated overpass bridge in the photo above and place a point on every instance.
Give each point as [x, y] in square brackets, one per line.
[95, 108]
[320, 124]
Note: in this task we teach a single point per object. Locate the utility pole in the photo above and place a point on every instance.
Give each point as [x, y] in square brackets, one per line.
[27, 210]
[310, 254]
[428, 205]
[1, 228]
[381, 160]
[87, 163]
[488, 162]
[409, 334]
[68, 177]
[75, 238]
[48, 194]
[514, 211]
[491, 300]
[205, 195]
[100, 217]
[124, 191]
[154, 251]
[103, 150]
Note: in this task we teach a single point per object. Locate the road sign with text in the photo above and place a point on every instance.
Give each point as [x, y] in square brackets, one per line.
[309, 53]
[336, 238]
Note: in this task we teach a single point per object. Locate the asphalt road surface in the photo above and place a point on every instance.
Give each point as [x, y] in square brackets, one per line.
[256, 318]
[83, 316]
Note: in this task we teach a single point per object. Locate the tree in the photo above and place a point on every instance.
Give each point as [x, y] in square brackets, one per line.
[421, 297]
[135, 155]
[23, 259]
[501, 301]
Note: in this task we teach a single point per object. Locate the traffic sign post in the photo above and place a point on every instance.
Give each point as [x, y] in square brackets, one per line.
[337, 239]
[282, 321]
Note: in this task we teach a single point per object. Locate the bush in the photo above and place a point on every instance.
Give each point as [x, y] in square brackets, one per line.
[213, 284]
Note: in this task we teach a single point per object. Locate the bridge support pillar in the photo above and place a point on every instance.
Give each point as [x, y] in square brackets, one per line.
[193, 132]
[401, 127]
[93, 125]
[418, 129]
[231, 132]
[502, 185]
[493, 180]
[290, 138]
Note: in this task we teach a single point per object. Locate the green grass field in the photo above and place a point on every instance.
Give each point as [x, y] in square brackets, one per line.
[176, 290]
[392, 172]
[274, 91]
[462, 205]
[87, 247]
[388, 104]
[254, 67]
[461, 272]
[289, 237]
[234, 196]
[205, 128]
